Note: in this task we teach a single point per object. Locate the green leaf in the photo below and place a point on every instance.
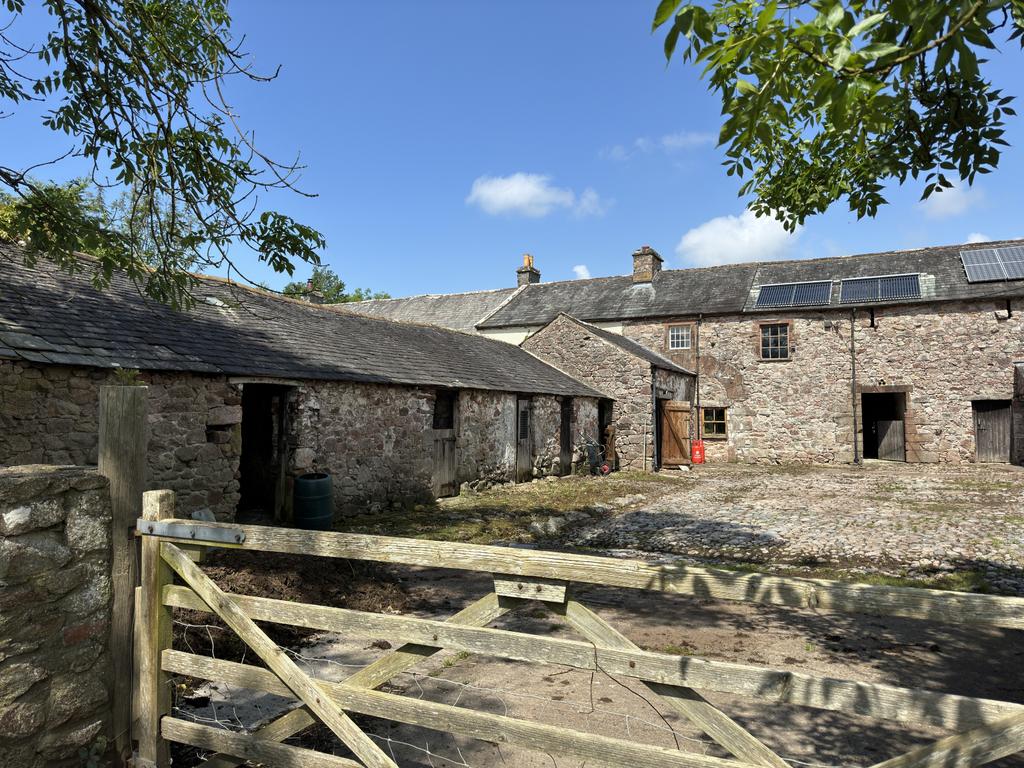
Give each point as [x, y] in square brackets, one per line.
[746, 87]
[840, 56]
[879, 50]
[834, 16]
[666, 9]
[866, 24]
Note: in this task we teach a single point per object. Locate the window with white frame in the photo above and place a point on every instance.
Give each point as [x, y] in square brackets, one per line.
[680, 336]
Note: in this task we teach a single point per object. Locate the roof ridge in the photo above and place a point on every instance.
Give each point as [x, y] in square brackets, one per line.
[435, 295]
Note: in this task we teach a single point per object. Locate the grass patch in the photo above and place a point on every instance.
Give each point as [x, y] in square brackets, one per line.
[505, 513]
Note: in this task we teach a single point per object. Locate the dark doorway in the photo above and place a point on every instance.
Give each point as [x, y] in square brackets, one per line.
[263, 464]
[884, 430]
[992, 430]
[445, 479]
[606, 432]
[524, 447]
[565, 437]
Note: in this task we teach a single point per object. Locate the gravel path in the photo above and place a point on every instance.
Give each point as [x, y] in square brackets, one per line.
[895, 518]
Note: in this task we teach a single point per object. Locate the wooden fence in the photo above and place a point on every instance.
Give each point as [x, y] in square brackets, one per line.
[986, 730]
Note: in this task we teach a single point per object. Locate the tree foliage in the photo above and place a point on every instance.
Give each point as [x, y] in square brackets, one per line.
[826, 101]
[326, 282]
[137, 87]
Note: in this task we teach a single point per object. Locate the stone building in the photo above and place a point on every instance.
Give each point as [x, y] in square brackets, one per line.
[905, 355]
[250, 388]
[649, 390]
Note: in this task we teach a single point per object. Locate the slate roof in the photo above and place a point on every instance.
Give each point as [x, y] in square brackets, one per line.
[461, 311]
[732, 288]
[47, 316]
[632, 347]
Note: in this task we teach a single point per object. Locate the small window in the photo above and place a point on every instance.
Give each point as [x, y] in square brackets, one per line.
[775, 341]
[680, 336]
[714, 425]
[444, 409]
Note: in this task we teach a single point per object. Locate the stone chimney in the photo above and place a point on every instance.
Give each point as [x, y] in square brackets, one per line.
[646, 264]
[527, 274]
[312, 295]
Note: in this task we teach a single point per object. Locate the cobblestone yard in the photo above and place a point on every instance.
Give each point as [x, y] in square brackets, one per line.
[900, 519]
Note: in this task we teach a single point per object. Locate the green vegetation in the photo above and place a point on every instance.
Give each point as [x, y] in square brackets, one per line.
[505, 513]
[829, 100]
[326, 282]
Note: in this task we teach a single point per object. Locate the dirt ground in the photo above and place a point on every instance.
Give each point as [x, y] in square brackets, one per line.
[884, 506]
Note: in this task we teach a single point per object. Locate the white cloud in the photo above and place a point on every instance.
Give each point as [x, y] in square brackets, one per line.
[532, 195]
[670, 142]
[581, 271]
[978, 237]
[951, 202]
[686, 140]
[730, 239]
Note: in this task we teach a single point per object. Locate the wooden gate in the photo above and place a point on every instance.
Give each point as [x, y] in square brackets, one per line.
[445, 480]
[892, 443]
[992, 430]
[675, 433]
[524, 443]
[991, 729]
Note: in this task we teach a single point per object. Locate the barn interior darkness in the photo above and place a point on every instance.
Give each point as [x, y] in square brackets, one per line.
[262, 474]
[880, 411]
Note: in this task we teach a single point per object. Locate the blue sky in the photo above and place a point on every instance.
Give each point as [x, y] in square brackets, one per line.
[446, 139]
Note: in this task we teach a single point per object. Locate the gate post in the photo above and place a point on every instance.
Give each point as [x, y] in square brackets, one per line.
[122, 460]
[153, 629]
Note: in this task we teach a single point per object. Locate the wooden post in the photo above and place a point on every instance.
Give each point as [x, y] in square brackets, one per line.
[154, 630]
[122, 460]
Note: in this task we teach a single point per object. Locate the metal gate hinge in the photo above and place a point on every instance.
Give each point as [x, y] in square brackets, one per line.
[193, 531]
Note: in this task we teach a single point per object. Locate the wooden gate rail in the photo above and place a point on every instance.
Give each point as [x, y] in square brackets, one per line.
[943, 710]
[713, 583]
[991, 729]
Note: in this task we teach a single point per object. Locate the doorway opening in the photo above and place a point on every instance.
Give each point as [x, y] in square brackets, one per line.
[884, 425]
[992, 427]
[604, 435]
[565, 438]
[524, 442]
[263, 465]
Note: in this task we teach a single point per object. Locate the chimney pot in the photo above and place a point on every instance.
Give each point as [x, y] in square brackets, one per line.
[527, 274]
[646, 264]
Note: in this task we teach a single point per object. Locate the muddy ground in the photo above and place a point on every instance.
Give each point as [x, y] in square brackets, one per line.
[971, 661]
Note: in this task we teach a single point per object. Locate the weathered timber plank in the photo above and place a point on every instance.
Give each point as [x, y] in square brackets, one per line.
[250, 747]
[780, 686]
[309, 691]
[966, 750]
[687, 702]
[281, 728]
[154, 633]
[122, 460]
[530, 588]
[932, 604]
[464, 722]
[482, 612]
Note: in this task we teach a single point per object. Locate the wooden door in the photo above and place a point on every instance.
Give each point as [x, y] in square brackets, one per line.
[675, 433]
[892, 445]
[524, 445]
[992, 430]
[445, 481]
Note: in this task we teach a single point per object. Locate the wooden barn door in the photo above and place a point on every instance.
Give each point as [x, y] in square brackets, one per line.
[992, 430]
[675, 433]
[892, 444]
[445, 478]
[565, 437]
[524, 447]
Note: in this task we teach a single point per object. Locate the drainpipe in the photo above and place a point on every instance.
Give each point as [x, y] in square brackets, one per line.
[853, 382]
[700, 421]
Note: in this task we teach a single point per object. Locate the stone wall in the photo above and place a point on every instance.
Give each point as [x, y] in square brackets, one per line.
[55, 598]
[374, 440]
[546, 422]
[800, 410]
[570, 346]
[50, 415]
[486, 437]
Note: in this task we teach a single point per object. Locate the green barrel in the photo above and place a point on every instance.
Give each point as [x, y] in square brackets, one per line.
[314, 502]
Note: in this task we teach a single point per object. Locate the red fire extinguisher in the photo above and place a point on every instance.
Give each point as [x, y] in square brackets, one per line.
[697, 452]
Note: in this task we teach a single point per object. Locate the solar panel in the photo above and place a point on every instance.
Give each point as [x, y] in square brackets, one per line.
[985, 265]
[795, 294]
[860, 290]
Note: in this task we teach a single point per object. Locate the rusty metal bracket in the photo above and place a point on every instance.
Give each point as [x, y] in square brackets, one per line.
[190, 531]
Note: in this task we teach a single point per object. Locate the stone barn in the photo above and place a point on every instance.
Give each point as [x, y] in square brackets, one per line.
[651, 411]
[248, 389]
